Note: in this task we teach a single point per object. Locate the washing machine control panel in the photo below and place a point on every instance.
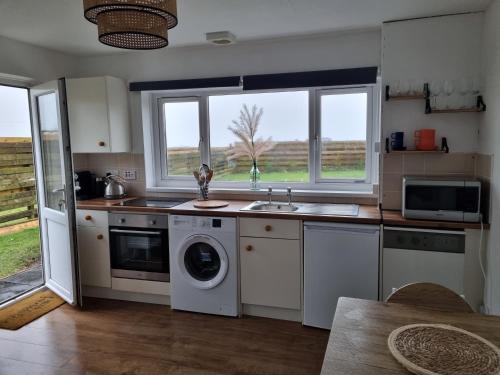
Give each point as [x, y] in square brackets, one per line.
[206, 223]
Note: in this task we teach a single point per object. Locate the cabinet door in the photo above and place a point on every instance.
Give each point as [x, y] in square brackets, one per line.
[93, 252]
[88, 115]
[270, 272]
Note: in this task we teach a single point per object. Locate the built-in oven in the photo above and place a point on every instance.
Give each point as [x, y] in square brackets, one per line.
[139, 246]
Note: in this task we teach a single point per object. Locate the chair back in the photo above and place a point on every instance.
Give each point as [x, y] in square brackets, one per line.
[430, 295]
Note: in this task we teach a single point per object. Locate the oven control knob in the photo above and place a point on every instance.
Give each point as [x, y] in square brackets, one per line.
[152, 222]
[122, 220]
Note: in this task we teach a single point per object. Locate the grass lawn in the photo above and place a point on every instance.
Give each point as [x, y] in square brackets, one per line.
[18, 251]
[293, 176]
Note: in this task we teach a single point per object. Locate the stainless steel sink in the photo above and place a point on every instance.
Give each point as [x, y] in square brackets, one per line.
[305, 208]
[271, 207]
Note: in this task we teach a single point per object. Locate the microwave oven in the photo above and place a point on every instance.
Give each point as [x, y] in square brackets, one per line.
[447, 199]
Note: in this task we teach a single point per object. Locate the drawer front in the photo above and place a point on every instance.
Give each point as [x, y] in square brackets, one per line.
[91, 218]
[270, 228]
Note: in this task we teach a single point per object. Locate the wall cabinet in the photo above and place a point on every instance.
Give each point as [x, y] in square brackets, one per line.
[271, 267]
[93, 248]
[98, 115]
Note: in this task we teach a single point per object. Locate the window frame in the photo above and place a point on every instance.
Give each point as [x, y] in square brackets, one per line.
[162, 134]
[155, 153]
[369, 133]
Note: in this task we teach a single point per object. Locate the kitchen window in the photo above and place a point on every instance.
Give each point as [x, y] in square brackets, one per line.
[318, 139]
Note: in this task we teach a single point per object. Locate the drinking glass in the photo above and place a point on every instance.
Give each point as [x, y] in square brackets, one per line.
[435, 88]
[448, 90]
[465, 89]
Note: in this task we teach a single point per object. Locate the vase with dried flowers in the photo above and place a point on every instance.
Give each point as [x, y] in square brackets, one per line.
[245, 129]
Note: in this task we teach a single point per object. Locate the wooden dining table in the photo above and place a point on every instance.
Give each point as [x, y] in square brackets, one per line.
[358, 339]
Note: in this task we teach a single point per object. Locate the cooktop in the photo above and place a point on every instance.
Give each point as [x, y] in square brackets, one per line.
[155, 202]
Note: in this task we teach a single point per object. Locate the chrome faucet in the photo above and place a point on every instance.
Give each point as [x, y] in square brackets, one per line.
[270, 194]
[289, 195]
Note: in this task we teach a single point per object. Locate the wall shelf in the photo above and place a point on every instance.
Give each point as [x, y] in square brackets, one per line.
[457, 110]
[413, 152]
[426, 95]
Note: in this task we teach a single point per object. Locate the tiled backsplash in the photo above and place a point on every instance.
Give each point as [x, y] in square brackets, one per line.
[100, 164]
[397, 165]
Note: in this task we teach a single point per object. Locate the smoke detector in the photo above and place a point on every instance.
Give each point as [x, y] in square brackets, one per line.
[221, 38]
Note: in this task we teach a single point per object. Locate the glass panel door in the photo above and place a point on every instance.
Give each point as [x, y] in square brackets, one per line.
[50, 148]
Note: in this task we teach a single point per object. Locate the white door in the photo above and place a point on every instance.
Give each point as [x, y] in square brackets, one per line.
[55, 188]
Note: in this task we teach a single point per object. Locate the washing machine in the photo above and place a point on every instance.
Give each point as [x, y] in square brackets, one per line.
[203, 264]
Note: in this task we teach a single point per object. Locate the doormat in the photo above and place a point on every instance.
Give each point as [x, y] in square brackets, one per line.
[28, 309]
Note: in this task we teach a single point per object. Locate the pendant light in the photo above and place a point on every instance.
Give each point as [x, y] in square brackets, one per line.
[132, 24]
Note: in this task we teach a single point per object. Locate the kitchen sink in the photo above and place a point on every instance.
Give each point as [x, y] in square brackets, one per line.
[270, 207]
[305, 208]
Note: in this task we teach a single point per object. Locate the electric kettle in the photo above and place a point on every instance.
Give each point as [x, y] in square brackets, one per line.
[115, 188]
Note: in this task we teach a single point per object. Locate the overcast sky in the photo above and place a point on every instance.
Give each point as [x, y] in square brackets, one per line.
[14, 112]
[285, 118]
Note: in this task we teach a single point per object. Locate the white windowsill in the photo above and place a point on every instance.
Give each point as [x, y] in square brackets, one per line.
[276, 192]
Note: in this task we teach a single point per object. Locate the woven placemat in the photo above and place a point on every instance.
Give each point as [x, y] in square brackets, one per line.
[437, 349]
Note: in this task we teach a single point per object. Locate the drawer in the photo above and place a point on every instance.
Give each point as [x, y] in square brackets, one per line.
[270, 228]
[92, 218]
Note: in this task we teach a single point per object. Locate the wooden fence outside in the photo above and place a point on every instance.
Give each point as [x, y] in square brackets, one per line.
[284, 156]
[17, 180]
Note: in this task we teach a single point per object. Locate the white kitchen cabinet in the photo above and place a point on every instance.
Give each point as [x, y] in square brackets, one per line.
[93, 252]
[98, 115]
[271, 267]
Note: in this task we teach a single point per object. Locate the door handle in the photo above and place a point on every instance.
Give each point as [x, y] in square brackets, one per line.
[58, 190]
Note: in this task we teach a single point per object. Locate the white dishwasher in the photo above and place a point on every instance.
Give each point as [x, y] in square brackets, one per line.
[340, 260]
[422, 255]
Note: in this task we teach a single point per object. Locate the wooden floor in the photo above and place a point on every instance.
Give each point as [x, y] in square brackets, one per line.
[116, 337]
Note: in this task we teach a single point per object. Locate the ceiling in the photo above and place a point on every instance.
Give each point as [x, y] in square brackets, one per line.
[59, 24]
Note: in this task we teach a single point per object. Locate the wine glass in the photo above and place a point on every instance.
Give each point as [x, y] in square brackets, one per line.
[448, 90]
[465, 88]
[396, 88]
[405, 88]
[435, 88]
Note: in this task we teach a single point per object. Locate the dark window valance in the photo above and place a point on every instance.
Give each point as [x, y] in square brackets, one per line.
[184, 84]
[337, 77]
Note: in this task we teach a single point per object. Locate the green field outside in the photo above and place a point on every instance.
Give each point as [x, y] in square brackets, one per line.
[293, 176]
[18, 251]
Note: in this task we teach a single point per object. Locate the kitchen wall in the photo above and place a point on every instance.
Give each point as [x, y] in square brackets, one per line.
[489, 143]
[437, 48]
[426, 50]
[328, 51]
[39, 64]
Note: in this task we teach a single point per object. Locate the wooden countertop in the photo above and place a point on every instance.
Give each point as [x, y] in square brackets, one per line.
[394, 218]
[358, 340]
[100, 204]
[367, 214]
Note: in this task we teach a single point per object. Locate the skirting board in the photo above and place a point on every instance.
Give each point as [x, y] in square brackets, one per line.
[108, 293]
[272, 312]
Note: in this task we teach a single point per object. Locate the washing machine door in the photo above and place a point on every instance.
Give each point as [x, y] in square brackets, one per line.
[203, 261]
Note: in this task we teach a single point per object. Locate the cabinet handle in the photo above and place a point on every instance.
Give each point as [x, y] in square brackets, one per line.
[249, 248]
[268, 228]
[88, 217]
[101, 143]
[100, 236]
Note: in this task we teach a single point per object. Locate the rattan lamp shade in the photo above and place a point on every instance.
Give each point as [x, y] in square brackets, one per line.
[132, 24]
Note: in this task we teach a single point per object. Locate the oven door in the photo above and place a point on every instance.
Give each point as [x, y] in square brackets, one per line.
[137, 253]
